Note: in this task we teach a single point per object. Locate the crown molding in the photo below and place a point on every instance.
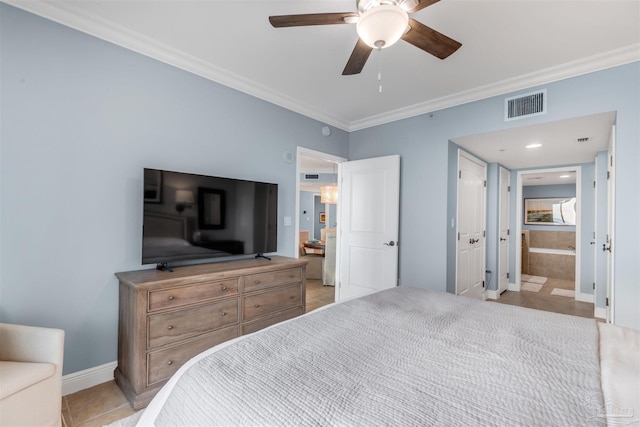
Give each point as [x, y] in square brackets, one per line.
[70, 16]
[614, 58]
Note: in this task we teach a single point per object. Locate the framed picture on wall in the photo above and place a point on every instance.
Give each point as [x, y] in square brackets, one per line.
[550, 211]
[322, 218]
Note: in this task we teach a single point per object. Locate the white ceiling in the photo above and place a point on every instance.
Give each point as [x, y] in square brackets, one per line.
[507, 45]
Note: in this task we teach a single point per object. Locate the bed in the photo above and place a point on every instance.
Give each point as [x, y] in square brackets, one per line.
[411, 357]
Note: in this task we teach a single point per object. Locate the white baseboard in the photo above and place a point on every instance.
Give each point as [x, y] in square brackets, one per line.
[491, 294]
[580, 296]
[600, 312]
[513, 287]
[88, 378]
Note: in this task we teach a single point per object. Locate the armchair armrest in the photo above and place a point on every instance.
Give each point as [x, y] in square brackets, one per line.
[21, 343]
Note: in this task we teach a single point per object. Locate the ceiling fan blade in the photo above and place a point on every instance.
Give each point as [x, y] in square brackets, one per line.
[429, 40]
[357, 59]
[310, 19]
[422, 4]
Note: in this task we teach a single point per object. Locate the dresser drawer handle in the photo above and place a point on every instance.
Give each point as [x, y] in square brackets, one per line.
[170, 362]
[257, 305]
[170, 298]
[169, 327]
[257, 282]
[292, 297]
[292, 275]
[224, 314]
[224, 288]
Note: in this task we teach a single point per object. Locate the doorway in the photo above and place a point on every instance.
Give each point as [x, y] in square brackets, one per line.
[315, 169]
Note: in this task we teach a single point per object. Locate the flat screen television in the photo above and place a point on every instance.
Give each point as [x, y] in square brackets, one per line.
[197, 217]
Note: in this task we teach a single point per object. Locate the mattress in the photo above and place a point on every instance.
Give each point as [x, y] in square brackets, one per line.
[403, 356]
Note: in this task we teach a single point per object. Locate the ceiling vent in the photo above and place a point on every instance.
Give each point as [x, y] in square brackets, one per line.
[311, 177]
[524, 106]
[582, 140]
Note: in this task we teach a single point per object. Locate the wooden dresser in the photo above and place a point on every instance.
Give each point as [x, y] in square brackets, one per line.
[166, 318]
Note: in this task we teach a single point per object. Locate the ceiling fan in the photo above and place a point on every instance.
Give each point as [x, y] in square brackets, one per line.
[379, 23]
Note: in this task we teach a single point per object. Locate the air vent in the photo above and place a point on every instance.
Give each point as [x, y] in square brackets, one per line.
[524, 106]
[582, 140]
[311, 176]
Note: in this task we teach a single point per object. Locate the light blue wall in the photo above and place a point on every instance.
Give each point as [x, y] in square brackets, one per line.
[493, 225]
[80, 119]
[307, 212]
[422, 143]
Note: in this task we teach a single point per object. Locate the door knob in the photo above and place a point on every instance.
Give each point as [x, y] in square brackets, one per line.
[606, 248]
[502, 239]
[472, 241]
[391, 243]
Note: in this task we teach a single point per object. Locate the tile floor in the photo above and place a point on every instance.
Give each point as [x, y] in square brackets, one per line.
[105, 403]
[543, 300]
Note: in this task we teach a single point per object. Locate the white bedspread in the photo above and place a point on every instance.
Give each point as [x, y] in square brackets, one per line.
[402, 357]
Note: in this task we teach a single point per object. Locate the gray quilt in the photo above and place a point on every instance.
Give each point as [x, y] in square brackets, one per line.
[402, 357]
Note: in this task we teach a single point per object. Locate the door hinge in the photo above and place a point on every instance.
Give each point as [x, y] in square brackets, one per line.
[507, 275]
[484, 233]
[508, 232]
[594, 184]
[508, 189]
[608, 174]
[458, 235]
[460, 174]
[485, 183]
[483, 284]
[607, 302]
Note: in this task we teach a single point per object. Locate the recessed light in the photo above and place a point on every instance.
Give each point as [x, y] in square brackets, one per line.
[536, 145]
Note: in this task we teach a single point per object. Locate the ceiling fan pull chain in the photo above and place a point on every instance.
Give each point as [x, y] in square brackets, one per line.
[380, 70]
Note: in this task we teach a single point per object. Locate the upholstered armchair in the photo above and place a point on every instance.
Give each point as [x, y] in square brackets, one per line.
[30, 375]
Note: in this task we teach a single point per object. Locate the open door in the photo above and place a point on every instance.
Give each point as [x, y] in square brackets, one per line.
[608, 246]
[503, 243]
[368, 218]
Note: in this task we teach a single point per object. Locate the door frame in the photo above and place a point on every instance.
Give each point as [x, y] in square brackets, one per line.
[508, 219]
[579, 296]
[307, 152]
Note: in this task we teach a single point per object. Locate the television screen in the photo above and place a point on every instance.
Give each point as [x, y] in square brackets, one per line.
[189, 216]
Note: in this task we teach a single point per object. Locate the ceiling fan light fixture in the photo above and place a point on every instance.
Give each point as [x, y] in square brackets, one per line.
[382, 26]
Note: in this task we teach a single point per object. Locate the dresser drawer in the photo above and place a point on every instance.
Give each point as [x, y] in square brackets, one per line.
[258, 305]
[177, 297]
[248, 328]
[164, 363]
[273, 278]
[166, 328]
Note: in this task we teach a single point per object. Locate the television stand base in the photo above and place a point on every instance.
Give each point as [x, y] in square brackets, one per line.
[263, 256]
[162, 266]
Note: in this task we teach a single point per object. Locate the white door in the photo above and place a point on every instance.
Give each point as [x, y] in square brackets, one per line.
[609, 247]
[470, 269]
[503, 246]
[368, 217]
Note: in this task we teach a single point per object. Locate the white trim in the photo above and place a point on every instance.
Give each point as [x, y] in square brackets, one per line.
[492, 294]
[82, 380]
[67, 14]
[307, 152]
[600, 313]
[582, 297]
[579, 296]
[515, 287]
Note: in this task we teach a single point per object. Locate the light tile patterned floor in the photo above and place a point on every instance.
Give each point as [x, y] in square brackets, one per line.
[105, 403]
